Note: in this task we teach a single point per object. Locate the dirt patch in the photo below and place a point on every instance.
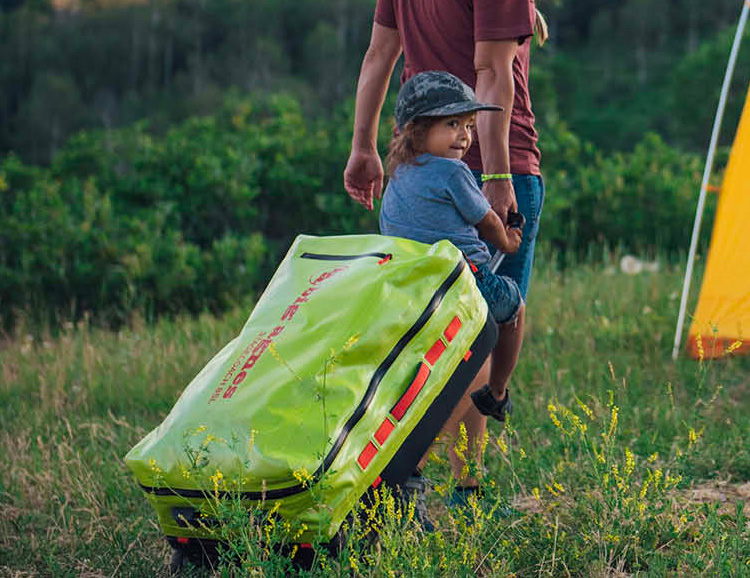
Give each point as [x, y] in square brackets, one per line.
[724, 493]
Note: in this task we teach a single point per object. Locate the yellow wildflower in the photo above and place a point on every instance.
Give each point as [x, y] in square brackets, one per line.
[154, 468]
[351, 341]
[736, 345]
[672, 480]
[462, 443]
[484, 442]
[553, 416]
[693, 436]
[302, 476]
[646, 484]
[599, 455]
[613, 420]
[216, 478]
[586, 409]
[629, 462]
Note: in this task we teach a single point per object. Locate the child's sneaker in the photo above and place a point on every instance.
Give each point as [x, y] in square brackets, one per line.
[487, 405]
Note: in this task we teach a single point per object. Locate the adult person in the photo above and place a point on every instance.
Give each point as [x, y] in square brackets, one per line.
[486, 44]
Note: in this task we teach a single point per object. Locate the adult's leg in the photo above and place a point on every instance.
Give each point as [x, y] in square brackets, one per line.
[475, 424]
[530, 198]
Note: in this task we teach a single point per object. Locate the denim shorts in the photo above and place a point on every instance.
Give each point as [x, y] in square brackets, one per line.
[501, 293]
[530, 198]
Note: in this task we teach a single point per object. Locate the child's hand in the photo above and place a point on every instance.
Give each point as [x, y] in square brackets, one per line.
[507, 238]
[513, 235]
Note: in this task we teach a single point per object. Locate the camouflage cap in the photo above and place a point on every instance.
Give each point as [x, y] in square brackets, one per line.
[435, 93]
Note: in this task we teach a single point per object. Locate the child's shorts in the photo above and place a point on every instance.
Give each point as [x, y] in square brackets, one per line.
[501, 293]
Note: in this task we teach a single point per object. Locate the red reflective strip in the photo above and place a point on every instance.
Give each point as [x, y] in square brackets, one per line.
[435, 352]
[305, 545]
[183, 540]
[467, 355]
[406, 400]
[384, 431]
[367, 454]
[377, 481]
[385, 259]
[452, 329]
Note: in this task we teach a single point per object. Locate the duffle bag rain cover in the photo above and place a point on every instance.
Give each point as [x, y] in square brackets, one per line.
[342, 355]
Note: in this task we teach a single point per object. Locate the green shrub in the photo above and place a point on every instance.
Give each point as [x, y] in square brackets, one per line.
[198, 217]
[65, 250]
[642, 200]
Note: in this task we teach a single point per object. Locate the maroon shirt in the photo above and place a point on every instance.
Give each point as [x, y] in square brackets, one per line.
[440, 35]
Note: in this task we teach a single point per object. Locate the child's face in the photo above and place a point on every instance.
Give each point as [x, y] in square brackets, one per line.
[450, 136]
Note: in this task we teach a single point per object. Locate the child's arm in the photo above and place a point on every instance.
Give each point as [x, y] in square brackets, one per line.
[494, 231]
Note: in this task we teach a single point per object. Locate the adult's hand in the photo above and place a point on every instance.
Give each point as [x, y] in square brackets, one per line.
[363, 177]
[502, 197]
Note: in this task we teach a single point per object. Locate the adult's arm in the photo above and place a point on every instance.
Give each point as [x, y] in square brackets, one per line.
[493, 61]
[363, 176]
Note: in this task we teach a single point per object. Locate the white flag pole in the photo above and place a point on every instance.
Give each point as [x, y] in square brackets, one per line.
[707, 174]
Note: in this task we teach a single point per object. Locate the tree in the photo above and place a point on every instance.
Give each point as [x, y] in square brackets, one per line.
[51, 111]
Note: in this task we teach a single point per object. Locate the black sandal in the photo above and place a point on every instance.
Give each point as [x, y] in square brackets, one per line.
[488, 405]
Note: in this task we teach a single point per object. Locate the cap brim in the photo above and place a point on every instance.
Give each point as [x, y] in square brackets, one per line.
[460, 108]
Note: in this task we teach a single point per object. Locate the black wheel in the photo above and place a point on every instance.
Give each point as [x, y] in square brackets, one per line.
[175, 564]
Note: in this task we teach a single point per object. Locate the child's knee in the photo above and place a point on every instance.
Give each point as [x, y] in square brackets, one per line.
[510, 309]
[515, 317]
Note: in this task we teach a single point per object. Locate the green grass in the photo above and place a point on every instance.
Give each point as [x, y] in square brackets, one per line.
[661, 489]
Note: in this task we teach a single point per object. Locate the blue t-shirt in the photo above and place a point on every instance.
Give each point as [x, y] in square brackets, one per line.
[435, 199]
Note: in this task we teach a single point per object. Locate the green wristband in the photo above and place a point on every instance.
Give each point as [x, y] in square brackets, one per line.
[496, 177]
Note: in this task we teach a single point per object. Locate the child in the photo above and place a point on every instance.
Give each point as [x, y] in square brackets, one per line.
[432, 195]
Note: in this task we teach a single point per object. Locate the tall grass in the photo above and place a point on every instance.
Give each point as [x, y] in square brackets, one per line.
[616, 462]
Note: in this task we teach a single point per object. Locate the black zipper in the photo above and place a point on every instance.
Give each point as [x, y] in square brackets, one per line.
[359, 412]
[325, 257]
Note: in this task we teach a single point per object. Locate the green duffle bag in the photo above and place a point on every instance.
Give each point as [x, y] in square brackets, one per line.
[338, 380]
